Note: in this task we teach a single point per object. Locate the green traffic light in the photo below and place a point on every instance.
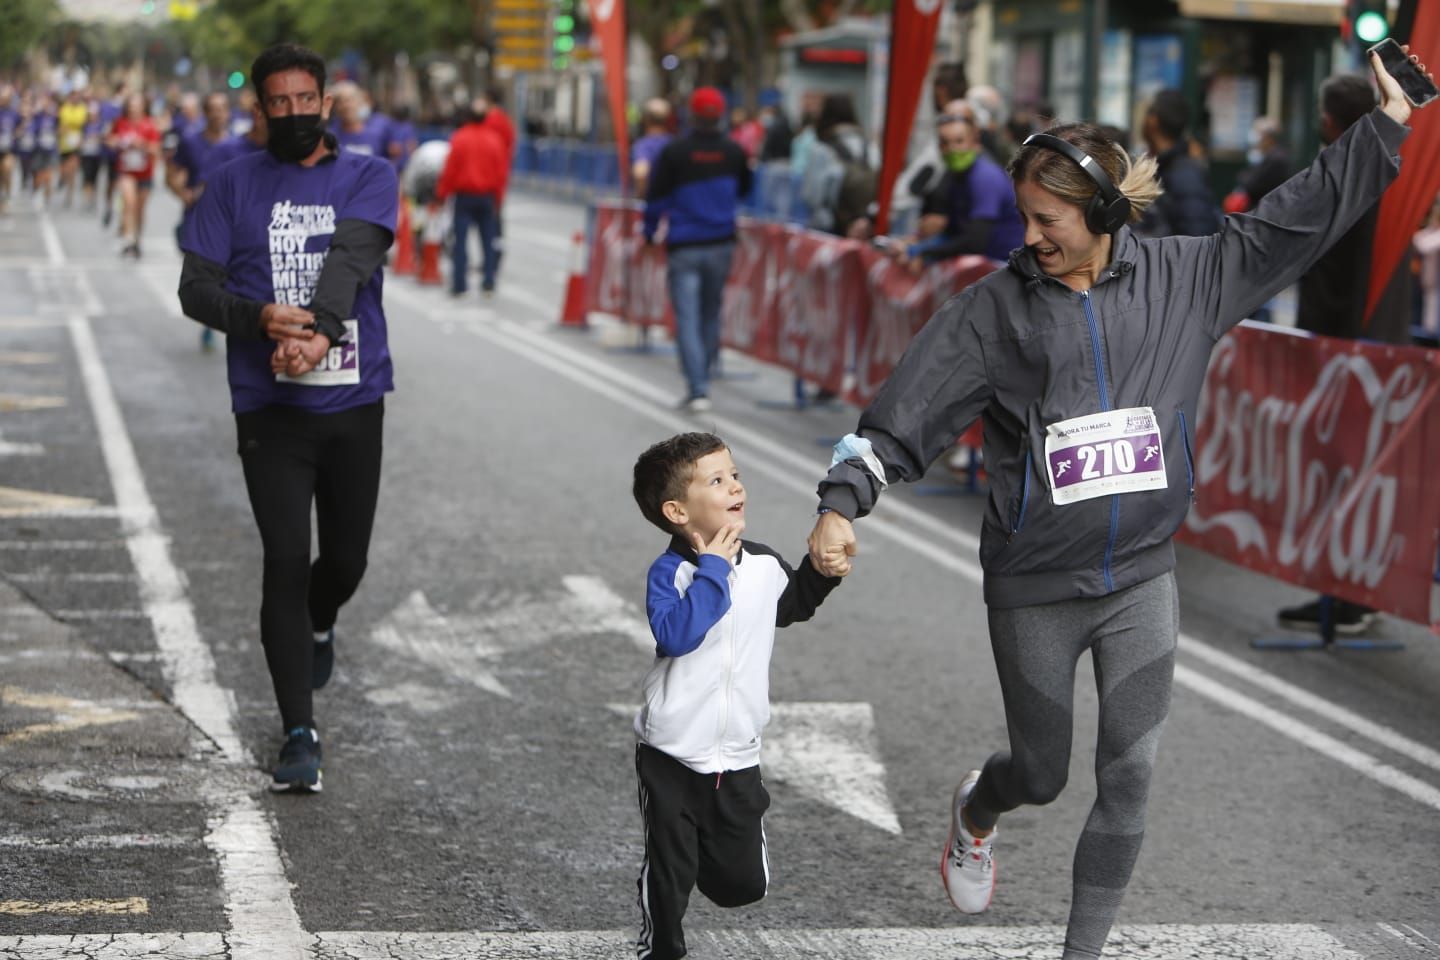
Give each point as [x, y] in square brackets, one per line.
[564, 44]
[147, 8]
[564, 24]
[1372, 27]
[236, 80]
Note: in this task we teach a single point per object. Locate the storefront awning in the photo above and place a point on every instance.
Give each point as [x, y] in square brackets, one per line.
[1319, 13]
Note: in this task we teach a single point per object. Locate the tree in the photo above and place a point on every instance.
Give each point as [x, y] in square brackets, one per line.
[22, 24]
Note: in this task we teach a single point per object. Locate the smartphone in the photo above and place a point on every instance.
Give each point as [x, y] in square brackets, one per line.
[1418, 88]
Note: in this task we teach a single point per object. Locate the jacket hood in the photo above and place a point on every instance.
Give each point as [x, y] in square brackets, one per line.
[1124, 251]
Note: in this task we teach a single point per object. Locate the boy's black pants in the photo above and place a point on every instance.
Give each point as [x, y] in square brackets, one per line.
[701, 829]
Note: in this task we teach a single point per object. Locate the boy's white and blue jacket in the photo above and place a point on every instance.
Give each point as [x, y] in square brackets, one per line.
[707, 696]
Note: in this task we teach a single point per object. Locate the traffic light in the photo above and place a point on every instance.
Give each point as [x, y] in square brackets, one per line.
[562, 33]
[1368, 22]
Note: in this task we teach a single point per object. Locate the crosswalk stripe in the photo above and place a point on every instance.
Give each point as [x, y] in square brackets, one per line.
[1140, 942]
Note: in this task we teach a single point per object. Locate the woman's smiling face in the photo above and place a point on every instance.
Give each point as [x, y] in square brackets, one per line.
[1055, 232]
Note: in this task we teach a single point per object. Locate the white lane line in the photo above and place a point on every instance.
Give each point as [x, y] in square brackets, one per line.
[263, 921]
[61, 544]
[572, 365]
[54, 253]
[1376, 732]
[111, 841]
[1301, 732]
[1140, 942]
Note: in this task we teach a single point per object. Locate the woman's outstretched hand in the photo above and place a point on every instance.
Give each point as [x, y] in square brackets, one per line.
[1392, 98]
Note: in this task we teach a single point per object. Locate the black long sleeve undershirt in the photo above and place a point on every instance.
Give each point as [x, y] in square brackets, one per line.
[357, 248]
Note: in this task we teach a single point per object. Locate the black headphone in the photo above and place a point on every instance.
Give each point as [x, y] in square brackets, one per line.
[1109, 209]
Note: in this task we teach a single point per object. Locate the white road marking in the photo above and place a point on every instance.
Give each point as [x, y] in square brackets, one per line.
[61, 544]
[54, 252]
[471, 646]
[109, 841]
[827, 753]
[15, 502]
[975, 942]
[74, 908]
[573, 365]
[263, 921]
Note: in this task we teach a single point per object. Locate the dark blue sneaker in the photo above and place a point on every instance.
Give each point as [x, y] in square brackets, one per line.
[324, 660]
[299, 766]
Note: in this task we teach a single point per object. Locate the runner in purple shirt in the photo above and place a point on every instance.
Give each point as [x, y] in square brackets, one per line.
[284, 256]
[356, 128]
[110, 111]
[9, 124]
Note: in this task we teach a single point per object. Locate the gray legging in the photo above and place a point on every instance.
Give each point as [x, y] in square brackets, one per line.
[1131, 635]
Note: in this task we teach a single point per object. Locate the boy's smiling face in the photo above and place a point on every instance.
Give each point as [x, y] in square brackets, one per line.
[714, 498]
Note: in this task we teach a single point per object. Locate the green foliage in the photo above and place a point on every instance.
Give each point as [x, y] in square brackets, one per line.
[22, 24]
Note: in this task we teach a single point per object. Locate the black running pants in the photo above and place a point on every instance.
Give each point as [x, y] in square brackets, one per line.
[293, 457]
[702, 830]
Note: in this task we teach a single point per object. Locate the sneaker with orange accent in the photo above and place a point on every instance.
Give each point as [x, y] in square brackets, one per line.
[968, 864]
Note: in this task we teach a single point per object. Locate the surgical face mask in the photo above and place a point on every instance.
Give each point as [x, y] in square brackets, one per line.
[1254, 155]
[293, 138]
[364, 111]
[958, 161]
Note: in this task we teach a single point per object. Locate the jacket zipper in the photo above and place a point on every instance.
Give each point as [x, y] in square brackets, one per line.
[729, 682]
[1189, 455]
[1104, 406]
[1024, 498]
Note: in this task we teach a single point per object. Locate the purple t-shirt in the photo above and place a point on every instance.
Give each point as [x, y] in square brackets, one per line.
[9, 121]
[648, 148]
[269, 224]
[45, 131]
[986, 193]
[110, 111]
[372, 139]
[231, 148]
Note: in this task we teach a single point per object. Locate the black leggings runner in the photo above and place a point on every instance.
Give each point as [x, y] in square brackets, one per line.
[291, 457]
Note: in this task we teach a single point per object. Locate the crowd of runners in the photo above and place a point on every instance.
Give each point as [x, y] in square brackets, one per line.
[104, 151]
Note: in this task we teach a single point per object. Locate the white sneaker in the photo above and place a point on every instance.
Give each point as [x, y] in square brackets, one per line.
[968, 866]
[697, 405]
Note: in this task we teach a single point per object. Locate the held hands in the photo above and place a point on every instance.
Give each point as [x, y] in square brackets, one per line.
[1392, 98]
[726, 542]
[832, 544]
[281, 322]
[296, 357]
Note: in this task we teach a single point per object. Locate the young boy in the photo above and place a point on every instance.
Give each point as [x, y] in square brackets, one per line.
[713, 602]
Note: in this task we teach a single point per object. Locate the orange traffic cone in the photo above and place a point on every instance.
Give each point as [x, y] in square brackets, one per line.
[573, 314]
[404, 241]
[430, 250]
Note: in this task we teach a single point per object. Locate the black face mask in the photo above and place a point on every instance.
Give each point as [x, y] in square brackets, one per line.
[293, 138]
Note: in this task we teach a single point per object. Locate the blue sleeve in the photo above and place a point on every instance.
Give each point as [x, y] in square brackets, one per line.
[679, 623]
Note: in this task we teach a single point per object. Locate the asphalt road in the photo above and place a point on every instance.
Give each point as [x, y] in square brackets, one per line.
[480, 794]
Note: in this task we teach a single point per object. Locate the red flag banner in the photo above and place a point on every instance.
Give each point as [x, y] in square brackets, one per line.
[912, 42]
[1406, 203]
[608, 18]
[1314, 461]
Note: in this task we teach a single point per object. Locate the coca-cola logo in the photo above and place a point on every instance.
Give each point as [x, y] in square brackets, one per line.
[926, 8]
[1319, 462]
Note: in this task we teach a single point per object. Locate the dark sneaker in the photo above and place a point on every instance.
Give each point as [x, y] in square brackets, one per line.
[299, 766]
[323, 661]
[1350, 618]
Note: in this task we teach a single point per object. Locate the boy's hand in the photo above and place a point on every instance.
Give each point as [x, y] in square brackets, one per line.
[726, 543]
[832, 544]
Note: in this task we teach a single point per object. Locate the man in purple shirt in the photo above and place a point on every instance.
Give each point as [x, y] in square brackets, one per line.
[357, 128]
[284, 256]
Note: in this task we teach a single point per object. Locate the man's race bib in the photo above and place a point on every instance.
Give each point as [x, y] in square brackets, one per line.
[7, 140]
[339, 368]
[1105, 453]
[47, 140]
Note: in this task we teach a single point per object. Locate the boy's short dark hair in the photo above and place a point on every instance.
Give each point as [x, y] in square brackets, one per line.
[1171, 113]
[1347, 97]
[664, 471]
[282, 57]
